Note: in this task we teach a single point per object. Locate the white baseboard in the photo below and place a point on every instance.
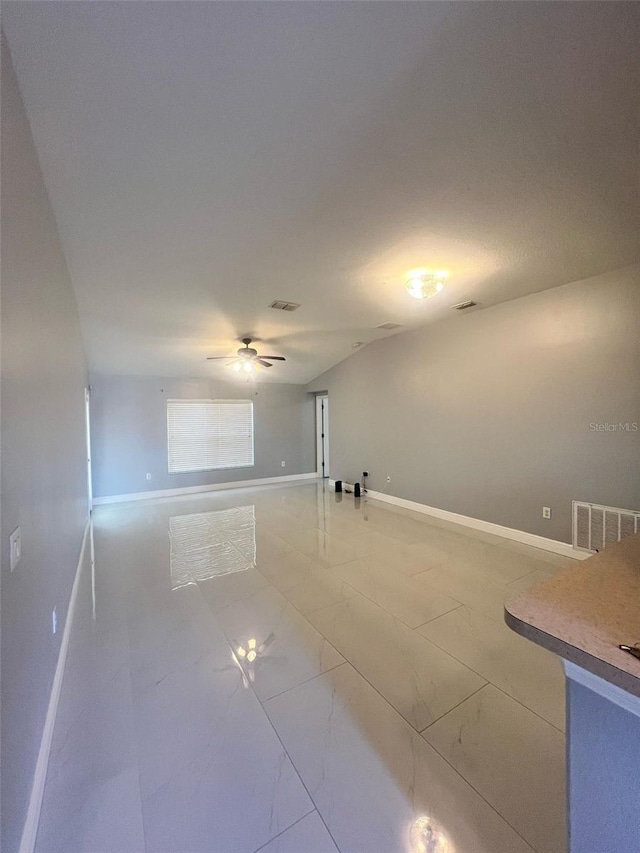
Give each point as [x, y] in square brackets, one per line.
[566, 549]
[30, 830]
[193, 490]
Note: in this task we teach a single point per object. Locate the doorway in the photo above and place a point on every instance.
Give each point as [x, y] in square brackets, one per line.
[322, 436]
[87, 415]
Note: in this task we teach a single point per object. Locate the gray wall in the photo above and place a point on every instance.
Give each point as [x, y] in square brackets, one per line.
[129, 431]
[43, 452]
[488, 414]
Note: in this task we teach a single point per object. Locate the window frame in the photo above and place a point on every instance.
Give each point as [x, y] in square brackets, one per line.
[210, 450]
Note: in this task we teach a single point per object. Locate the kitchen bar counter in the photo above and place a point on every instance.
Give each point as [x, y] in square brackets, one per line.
[583, 614]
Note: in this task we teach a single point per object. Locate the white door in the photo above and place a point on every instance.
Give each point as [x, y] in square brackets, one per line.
[322, 436]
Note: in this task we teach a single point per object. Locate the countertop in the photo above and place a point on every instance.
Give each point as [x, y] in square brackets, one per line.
[584, 612]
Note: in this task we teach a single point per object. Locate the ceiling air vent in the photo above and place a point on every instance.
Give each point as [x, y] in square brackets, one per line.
[279, 305]
[388, 327]
[461, 306]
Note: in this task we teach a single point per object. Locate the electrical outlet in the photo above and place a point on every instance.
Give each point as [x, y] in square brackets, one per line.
[388, 478]
[15, 548]
[546, 512]
[54, 621]
[282, 463]
[148, 476]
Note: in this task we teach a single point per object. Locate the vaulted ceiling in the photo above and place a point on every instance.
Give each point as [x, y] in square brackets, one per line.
[204, 159]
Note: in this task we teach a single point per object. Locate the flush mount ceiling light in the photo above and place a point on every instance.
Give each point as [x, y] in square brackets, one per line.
[423, 284]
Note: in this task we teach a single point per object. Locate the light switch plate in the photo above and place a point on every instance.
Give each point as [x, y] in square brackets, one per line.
[15, 548]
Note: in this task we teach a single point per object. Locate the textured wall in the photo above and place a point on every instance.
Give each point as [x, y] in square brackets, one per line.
[44, 473]
[489, 414]
[129, 431]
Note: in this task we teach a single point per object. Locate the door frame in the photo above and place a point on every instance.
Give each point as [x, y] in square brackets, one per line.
[322, 436]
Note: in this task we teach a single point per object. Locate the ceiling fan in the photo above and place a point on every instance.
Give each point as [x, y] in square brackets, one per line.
[247, 359]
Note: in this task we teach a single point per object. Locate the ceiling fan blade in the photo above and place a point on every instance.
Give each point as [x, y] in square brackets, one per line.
[264, 363]
[274, 357]
[217, 357]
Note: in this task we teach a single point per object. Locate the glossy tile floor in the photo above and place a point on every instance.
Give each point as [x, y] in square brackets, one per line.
[280, 670]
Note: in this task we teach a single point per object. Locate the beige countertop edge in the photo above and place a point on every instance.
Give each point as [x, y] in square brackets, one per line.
[585, 610]
[625, 680]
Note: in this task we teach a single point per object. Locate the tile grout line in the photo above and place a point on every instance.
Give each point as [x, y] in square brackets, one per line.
[488, 680]
[351, 663]
[286, 752]
[382, 606]
[446, 651]
[451, 710]
[483, 798]
[286, 829]
[479, 793]
[227, 643]
[266, 715]
[457, 607]
[527, 708]
[317, 609]
[384, 698]
[306, 681]
[419, 734]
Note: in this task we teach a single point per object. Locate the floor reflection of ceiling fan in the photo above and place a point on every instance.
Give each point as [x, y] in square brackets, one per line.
[247, 359]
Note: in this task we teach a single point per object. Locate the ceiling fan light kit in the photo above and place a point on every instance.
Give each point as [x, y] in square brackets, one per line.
[247, 359]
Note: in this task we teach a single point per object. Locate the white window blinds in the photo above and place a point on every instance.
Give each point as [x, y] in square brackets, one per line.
[203, 435]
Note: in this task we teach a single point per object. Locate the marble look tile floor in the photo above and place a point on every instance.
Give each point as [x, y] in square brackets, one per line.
[287, 670]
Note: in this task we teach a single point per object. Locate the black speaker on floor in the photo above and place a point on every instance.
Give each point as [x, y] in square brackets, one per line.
[338, 485]
[356, 490]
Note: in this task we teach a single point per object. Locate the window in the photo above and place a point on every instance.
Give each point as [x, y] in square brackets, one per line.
[204, 435]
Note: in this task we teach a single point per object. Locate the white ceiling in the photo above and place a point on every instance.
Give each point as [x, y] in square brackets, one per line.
[204, 159]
